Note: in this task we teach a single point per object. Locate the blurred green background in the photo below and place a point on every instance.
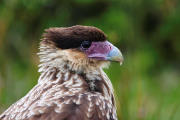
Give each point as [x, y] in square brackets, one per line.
[147, 85]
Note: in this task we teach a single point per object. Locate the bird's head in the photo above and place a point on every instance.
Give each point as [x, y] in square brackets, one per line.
[77, 47]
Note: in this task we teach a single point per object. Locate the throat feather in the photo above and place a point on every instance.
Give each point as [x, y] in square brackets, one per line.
[57, 67]
[88, 82]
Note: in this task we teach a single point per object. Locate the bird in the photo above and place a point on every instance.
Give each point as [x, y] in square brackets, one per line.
[72, 84]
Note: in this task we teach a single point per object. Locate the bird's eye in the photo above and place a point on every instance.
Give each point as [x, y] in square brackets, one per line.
[86, 44]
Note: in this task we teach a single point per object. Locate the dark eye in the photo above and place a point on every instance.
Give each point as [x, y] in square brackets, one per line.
[86, 44]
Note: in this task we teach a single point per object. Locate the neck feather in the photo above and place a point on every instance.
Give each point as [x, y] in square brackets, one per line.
[56, 68]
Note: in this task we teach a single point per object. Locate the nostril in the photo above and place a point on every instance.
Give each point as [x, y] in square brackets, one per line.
[110, 47]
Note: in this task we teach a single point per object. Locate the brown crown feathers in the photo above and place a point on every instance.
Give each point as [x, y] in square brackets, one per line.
[72, 37]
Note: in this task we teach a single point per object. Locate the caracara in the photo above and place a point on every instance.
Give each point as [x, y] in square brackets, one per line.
[72, 84]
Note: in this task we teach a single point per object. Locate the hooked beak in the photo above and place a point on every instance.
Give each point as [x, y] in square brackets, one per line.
[104, 51]
[115, 55]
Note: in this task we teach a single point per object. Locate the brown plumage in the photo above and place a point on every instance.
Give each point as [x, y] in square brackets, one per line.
[72, 84]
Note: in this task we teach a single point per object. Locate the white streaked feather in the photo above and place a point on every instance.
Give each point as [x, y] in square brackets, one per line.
[48, 90]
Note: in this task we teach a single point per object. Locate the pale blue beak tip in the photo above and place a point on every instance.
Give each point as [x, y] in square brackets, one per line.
[115, 55]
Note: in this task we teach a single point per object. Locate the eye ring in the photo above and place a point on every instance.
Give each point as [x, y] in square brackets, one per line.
[86, 44]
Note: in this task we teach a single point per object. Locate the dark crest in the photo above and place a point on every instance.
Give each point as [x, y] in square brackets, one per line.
[72, 37]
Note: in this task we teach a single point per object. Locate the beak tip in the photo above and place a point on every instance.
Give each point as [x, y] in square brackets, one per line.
[119, 59]
[116, 55]
[121, 62]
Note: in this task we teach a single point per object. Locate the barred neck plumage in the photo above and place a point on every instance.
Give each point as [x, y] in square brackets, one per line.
[54, 64]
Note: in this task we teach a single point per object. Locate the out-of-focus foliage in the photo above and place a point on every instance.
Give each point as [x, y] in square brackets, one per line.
[147, 85]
